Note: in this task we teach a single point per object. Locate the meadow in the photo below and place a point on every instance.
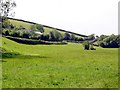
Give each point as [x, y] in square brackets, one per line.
[58, 66]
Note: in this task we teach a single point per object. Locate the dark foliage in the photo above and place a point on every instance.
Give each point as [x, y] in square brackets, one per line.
[92, 48]
[86, 45]
[31, 41]
[37, 27]
[90, 37]
[55, 36]
[66, 36]
[6, 6]
[44, 37]
[112, 41]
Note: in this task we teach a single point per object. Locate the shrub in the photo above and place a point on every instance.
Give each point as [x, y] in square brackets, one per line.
[44, 37]
[39, 27]
[6, 24]
[73, 37]
[66, 36]
[92, 48]
[55, 36]
[112, 41]
[80, 39]
[24, 34]
[86, 45]
[14, 33]
[5, 32]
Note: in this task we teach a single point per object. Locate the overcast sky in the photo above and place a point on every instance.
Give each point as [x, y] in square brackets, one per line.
[80, 16]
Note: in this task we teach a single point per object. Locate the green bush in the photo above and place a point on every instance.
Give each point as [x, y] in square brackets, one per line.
[37, 27]
[6, 24]
[112, 41]
[86, 45]
[92, 48]
[55, 36]
[67, 36]
[5, 32]
[14, 33]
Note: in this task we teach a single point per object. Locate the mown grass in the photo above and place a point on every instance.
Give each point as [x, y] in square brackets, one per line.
[59, 66]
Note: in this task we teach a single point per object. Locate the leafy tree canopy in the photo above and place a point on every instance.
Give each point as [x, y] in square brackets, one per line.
[6, 6]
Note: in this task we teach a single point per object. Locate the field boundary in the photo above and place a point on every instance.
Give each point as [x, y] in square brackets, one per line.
[33, 42]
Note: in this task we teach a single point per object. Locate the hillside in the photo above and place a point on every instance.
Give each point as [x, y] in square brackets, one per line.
[27, 25]
[17, 28]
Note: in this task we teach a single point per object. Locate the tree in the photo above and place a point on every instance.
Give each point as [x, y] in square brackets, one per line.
[73, 37]
[39, 27]
[92, 48]
[91, 37]
[24, 34]
[55, 36]
[6, 6]
[66, 36]
[112, 41]
[14, 33]
[12, 26]
[86, 45]
[52, 36]
[102, 37]
[5, 32]
[44, 37]
[118, 40]
[6, 24]
[80, 39]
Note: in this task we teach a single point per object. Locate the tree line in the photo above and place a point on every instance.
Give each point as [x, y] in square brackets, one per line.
[112, 41]
[36, 31]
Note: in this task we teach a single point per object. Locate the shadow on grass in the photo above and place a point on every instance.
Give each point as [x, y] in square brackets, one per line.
[9, 55]
[20, 56]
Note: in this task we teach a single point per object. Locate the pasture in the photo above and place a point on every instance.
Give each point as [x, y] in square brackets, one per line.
[58, 66]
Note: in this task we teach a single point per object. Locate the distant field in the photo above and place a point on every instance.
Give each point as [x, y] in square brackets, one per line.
[19, 23]
[58, 66]
[28, 25]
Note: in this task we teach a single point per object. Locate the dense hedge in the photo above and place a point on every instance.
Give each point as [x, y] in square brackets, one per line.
[31, 41]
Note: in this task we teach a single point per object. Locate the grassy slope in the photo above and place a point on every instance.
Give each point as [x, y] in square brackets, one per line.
[28, 25]
[59, 66]
[18, 23]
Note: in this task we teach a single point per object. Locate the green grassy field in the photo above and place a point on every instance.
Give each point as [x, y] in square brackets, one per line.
[58, 66]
